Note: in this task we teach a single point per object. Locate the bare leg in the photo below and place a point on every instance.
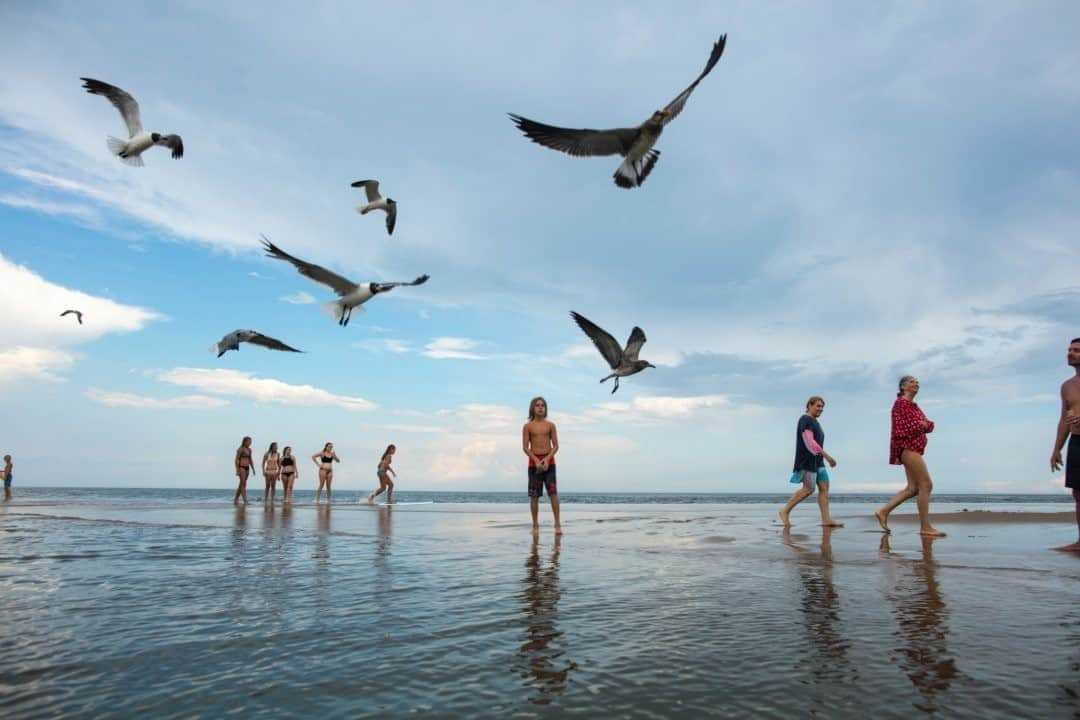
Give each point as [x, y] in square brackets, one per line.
[534, 508]
[329, 480]
[916, 466]
[823, 505]
[322, 481]
[553, 498]
[389, 491]
[797, 497]
[1075, 547]
[241, 487]
[882, 514]
[379, 491]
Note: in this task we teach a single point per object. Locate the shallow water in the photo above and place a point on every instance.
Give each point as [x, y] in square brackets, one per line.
[167, 606]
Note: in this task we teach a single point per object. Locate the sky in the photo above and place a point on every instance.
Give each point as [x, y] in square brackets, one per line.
[856, 192]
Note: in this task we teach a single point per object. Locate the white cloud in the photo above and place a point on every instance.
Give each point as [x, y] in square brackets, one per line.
[31, 307]
[267, 390]
[451, 348]
[299, 298]
[79, 212]
[33, 363]
[123, 399]
[390, 345]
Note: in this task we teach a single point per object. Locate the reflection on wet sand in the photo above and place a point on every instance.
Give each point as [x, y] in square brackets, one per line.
[820, 606]
[922, 626]
[382, 550]
[321, 550]
[543, 669]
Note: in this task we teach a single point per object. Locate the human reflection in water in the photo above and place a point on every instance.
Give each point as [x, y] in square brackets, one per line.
[820, 607]
[922, 626]
[543, 666]
[382, 550]
[321, 552]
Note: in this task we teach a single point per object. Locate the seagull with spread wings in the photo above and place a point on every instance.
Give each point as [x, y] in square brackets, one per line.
[623, 361]
[350, 295]
[232, 342]
[131, 150]
[78, 315]
[375, 201]
[635, 144]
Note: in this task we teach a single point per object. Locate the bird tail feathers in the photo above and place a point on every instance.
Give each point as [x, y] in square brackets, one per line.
[334, 309]
[117, 146]
[632, 173]
[216, 348]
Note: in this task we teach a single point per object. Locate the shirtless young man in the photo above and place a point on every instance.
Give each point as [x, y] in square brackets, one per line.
[540, 441]
[1069, 425]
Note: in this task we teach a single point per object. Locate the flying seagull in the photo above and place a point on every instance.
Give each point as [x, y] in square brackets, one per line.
[131, 150]
[350, 295]
[623, 361]
[375, 201]
[78, 315]
[635, 143]
[232, 342]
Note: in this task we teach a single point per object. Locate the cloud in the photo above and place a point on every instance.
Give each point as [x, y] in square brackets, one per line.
[451, 348]
[299, 298]
[33, 363]
[80, 212]
[123, 399]
[390, 345]
[266, 390]
[31, 307]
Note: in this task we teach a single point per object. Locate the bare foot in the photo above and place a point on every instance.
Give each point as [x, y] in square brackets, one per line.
[832, 523]
[883, 521]
[784, 519]
[1075, 547]
[932, 532]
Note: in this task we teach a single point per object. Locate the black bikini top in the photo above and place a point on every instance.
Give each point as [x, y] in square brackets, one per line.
[327, 459]
[286, 462]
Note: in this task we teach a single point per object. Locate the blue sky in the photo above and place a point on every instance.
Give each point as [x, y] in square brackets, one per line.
[856, 192]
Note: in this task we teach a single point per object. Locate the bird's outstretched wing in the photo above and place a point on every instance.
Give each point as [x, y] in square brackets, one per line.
[391, 218]
[383, 287]
[268, 342]
[602, 339]
[633, 344]
[121, 99]
[78, 315]
[342, 286]
[580, 143]
[174, 143]
[371, 189]
[675, 107]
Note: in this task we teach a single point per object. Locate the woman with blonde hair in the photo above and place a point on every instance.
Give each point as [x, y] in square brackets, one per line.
[809, 468]
[271, 470]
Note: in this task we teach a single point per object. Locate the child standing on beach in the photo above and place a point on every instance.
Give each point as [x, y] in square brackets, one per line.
[383, 472]
[540, 441]
[7, 477]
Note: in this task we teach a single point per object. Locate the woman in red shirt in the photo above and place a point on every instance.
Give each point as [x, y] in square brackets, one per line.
[906, 446]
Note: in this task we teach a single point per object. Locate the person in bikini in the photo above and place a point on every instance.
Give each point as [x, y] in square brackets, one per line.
[6, 473]
[325, 461]
[1069, 428]
[906, 446]
[810, 459]
[540, 442]
[288, 474]
[243, 469]
[383, 472]
[271, 469]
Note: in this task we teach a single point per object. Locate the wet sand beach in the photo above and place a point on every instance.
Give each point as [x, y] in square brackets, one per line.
[163, 608]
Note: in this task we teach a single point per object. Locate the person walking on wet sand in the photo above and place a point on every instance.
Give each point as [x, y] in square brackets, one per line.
[6, 472]
[243, 469]
[906, 446]
[325, 462]
[1069, 427]
[383, 473]
[540, 441]
[810, 459]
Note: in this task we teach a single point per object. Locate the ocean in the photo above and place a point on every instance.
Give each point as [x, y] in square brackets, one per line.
[172, 603]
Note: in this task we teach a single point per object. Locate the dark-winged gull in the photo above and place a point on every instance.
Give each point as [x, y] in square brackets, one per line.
[232, 342]
[131, 150]
[78, 315]
[350, 295]
[623, 361]
[375, 201]
[635, 143]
